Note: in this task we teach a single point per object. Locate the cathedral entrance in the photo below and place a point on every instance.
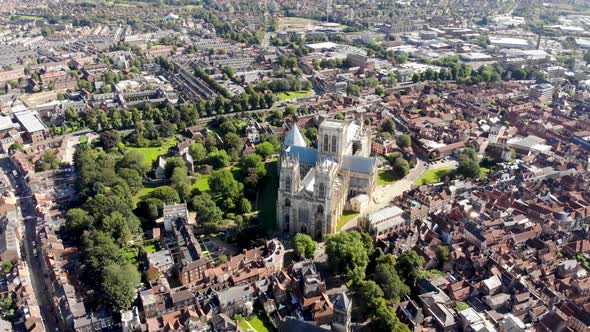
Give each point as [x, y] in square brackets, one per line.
[286, 224]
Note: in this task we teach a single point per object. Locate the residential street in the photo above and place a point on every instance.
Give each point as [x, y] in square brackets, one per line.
[26, 209]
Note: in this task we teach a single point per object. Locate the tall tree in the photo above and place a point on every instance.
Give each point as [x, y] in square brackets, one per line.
[305, 246]
[348, 255]
[118, 285]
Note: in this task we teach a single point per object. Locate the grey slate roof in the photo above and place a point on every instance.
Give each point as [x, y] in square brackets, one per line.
[358, 164]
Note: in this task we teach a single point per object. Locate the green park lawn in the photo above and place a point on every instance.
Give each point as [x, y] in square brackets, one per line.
[386, 177]
[346, 217]
[202, 184]
[433, 176]
[145, 191]
[152, 153]
[294, 94]
[256, 324]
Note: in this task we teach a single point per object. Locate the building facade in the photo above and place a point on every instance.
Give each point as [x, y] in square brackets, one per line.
[315, 184]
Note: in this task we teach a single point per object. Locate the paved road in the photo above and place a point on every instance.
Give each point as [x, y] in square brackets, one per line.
[27, 212]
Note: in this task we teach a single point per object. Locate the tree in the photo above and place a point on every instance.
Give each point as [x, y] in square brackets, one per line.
[134, 160]
[252, 169]
[150, 208]
[197, 151]
[469, 164]
[409, 265]
[401, 167]
[132, 178]
[78, 220]
[348, 255]
[442, 255]
[218, 159]
[166, 194]
[265, 149]
[387, 277]
[370, 291]
[339, 116]
[120, 227]
[227, 190]
[110, 139]
[404, 141]
[207, 210]
[181, 182]
[291, 110]
[101, 250]
[385, 318]
[245, 206]
[118, 285]
[388, 126]
[49, 161]
[304, 245]
[7, 267]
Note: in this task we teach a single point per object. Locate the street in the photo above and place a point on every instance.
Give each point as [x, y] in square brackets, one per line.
[26, 210]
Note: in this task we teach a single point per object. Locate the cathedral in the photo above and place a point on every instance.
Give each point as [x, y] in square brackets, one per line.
[317, 184]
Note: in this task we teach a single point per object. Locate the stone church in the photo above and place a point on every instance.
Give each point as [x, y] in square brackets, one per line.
[316, 184]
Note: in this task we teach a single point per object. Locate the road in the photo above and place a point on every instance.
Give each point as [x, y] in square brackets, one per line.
[27, 211]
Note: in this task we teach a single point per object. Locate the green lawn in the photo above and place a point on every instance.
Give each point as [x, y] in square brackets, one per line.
[294, 94]
[202, 184]
[346, 217]
[267, 196]
[152, 153]
[433, 176]
[386, 177]
[256, 324]
[144, 192]
[484, 170]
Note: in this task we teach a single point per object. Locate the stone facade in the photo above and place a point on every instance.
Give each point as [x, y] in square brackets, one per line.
[315, 184]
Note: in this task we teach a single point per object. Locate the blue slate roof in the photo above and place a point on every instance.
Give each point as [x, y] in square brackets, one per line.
[306, 155]
[358, 164]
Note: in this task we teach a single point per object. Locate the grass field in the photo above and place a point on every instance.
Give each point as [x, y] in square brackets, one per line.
[386, 177]
[256, 325]
[346, 217]
[433, 176]
[295, 23]
[294, 94]
[152, 153]
[267, 197]
[202, 184]
[144, 192]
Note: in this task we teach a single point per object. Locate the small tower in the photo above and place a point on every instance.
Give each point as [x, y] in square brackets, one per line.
[289, 174]
[342, 311]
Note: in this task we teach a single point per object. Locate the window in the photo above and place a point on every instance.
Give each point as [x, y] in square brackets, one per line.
[333, 144]
[287, 202]
[322, 190]
[288, 184]
[303, 215]
[326, 143]
[321, 210]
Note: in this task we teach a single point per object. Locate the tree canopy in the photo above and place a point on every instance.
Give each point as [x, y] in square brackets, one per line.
[305, 246]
